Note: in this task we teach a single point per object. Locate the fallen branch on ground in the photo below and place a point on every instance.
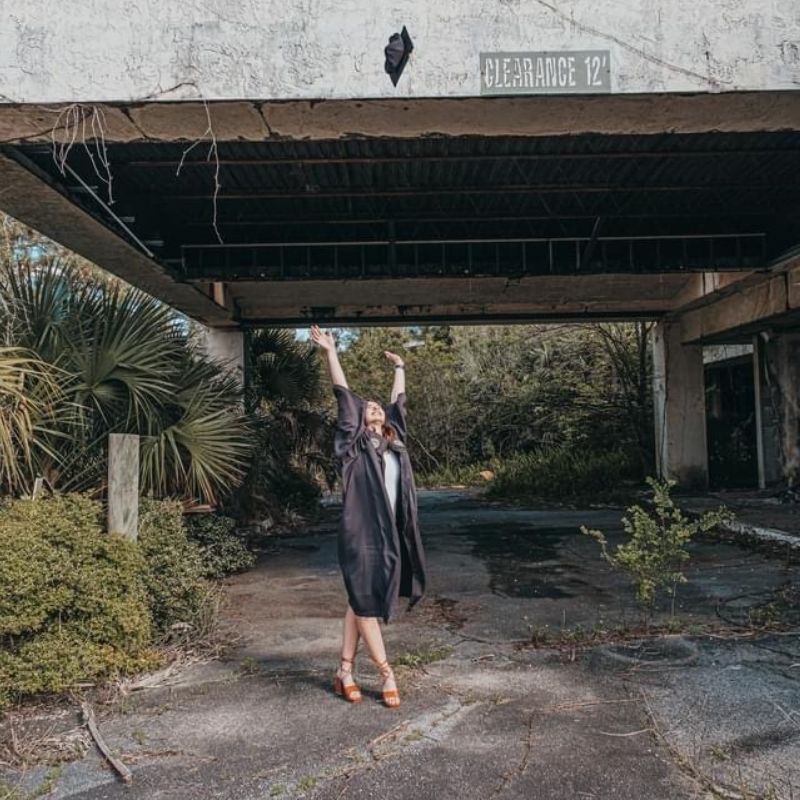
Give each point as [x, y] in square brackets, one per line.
[88, 718]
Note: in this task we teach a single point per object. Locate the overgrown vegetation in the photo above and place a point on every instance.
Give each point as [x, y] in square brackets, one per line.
[73, 600]
[222, 551]
[176, 590]
[569, 475]
[79, 605]
[82, 356]
[547, 409]
[292, 430]
[656, 550]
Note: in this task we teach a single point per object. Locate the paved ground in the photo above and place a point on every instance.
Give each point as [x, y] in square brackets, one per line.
[484, 714]
[761, 515]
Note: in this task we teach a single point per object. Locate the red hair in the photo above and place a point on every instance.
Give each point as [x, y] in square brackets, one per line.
[389, 433]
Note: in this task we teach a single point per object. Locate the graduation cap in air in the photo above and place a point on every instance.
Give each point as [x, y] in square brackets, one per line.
[397, 52]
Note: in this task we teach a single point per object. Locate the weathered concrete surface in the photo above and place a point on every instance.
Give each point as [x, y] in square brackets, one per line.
[226, 347]
[254, 120]
[495, 718]
[742, 307]
[759, 514]
[495, 116]
[270, 49]
[485, 299]
[679, 407]
[737, 716]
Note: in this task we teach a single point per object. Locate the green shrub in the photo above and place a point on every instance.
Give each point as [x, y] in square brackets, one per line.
[174, 569]
[656, 549]
[464, 475]
[73, 602]
[221, 550]
[561, 473]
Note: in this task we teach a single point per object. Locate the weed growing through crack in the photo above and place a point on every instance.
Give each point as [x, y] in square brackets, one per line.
[423, 656]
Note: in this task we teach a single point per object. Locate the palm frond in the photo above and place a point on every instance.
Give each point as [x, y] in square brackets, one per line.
[28, 394]
[201, 454]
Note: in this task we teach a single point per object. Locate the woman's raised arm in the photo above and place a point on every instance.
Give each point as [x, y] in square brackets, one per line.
[399, 385]
[325, 340]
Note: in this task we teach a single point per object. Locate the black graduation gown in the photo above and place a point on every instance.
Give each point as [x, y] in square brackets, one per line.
[380, 555]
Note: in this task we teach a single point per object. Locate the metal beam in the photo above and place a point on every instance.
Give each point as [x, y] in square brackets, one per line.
[531, 189]
[455, 158]
[349, 220]
[435, 258]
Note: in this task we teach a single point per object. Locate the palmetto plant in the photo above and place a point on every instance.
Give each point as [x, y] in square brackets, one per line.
[121, 362]
[291, 433]
[28, 390]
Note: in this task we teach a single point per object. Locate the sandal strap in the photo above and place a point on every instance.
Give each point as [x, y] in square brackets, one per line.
[385, 669]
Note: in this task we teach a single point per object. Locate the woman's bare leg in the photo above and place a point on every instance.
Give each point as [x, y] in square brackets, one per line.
[350, 638]
[370, 630]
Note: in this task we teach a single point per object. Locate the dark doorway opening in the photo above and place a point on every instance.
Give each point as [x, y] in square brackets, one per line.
[731, 425]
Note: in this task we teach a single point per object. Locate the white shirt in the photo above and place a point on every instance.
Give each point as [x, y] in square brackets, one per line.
[392, 475]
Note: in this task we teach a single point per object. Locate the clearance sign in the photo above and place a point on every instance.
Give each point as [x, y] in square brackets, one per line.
[546, 72]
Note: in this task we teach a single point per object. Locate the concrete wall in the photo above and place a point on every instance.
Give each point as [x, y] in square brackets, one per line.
[117, 50]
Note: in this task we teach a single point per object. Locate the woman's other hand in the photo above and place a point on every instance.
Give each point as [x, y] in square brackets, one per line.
[393, 357]
[323, 339]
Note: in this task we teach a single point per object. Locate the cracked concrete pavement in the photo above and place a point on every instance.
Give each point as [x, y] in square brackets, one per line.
[490, 717]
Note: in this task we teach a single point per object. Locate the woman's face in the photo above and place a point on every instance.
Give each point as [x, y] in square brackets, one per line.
[374, 413]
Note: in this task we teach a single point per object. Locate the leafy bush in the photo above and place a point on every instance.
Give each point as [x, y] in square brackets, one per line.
[73, 602]
[174, 568]
[561, 473]
[221, 550]
[655, 552]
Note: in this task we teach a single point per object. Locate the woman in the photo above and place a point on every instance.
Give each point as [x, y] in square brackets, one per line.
[379, 546]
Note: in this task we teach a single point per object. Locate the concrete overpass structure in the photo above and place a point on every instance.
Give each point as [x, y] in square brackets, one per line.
[253, 164]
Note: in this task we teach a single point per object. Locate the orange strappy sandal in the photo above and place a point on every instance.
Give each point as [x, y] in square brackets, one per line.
[391, 697]
[350, 692]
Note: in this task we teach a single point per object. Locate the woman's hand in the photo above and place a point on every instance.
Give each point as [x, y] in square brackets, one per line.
[393, 357]
[323, 339]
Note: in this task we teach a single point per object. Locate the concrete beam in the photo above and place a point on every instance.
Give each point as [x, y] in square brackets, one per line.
[42, 205]
[409, 300]
[257, 120]
[679, 406]
[742, 307]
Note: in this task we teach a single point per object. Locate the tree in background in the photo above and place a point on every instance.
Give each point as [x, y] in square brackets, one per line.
[484, 395]
[436, 390]
[292, 428]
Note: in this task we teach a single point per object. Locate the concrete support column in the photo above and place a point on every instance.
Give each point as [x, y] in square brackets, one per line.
[123, 484]
[226, 347]
[759, 412]
[782, 373]
[680, 408]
